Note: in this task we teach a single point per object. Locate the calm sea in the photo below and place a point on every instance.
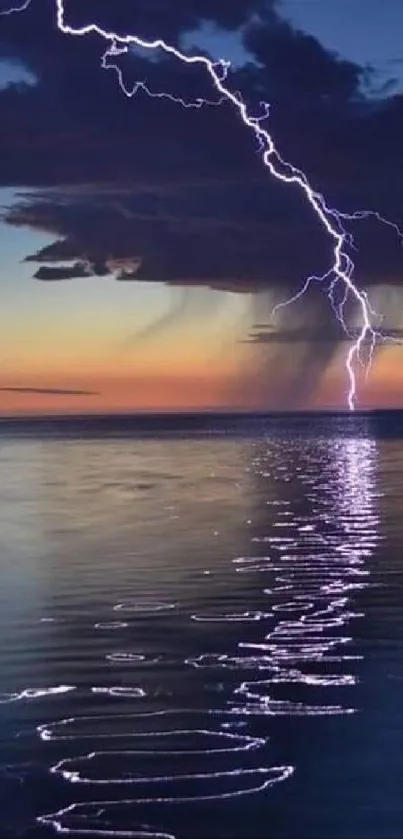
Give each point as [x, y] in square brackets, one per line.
[201, 627]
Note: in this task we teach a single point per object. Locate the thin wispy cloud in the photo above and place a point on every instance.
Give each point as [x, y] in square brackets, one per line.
[49, 391]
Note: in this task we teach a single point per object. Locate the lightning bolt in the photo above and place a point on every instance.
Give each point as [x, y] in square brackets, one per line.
[341, 272]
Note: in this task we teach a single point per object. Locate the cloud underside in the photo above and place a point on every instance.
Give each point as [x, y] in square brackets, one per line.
[143, 190]
[270, 335]
[262, 239]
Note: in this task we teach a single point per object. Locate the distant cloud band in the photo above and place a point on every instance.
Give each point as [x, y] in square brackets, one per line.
[49, 391]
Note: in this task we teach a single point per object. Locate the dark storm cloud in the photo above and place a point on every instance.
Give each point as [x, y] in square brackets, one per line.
[51, 274]
[247, 244]
[269, 335]
[166, 18]
[296, 65]
[223, 223]
[48, 391]
[179, 242]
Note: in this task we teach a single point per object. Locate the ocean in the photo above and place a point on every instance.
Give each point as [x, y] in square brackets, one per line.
[201, 627]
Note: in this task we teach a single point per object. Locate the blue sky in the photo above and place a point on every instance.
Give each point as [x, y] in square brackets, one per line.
[364, 31]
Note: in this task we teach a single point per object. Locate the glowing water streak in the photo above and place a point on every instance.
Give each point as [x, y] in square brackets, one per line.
[54, 820]
[121, 691]
[57, 820]
[133, 658]
[330, 218]
[231, 617]
[140, 607]
[111, 625]
[211, 740]
[63, 768]
[269, 776]
[34, 693]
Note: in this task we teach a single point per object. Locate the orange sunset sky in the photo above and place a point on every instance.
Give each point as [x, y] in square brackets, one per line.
[97, 335]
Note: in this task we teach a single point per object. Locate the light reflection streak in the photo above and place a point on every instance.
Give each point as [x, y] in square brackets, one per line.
[57, 820]
[101, 727]
[269, 776]
[127, 657]
[121, 690]
[54, 820]
[314, 559]
[35, 693]
[143, 606]
[63, 768]
[231, 617]
[111, 625]
[317, 566]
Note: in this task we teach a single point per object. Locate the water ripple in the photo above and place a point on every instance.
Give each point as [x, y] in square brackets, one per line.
[35, 693]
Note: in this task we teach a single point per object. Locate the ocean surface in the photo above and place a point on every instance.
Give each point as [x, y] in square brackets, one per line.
[201, 627]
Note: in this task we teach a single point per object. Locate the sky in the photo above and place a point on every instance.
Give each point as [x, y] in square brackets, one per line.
[143, 245]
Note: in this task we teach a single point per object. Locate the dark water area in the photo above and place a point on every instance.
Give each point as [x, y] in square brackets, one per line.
[201, 627]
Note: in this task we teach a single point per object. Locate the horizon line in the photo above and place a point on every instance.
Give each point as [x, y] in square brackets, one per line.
[194, 413]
